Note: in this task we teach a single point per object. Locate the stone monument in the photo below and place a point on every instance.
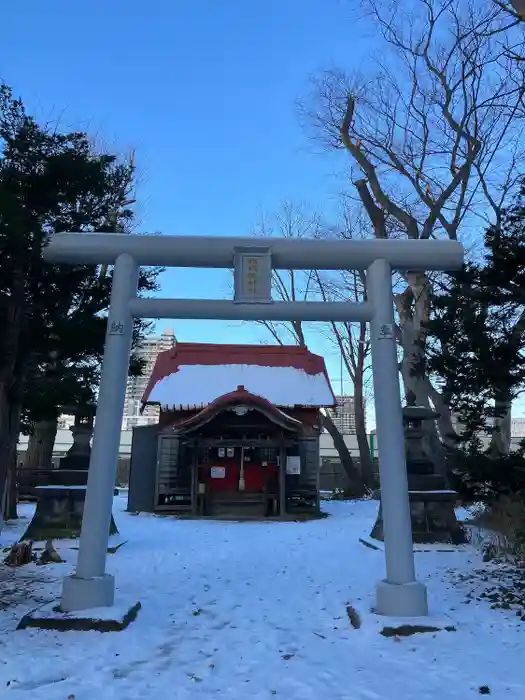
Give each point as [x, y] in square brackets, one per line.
[73, 468]
[432, 505]
[60, 505]
[77, 457]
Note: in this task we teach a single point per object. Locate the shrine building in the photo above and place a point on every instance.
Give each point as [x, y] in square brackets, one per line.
[238, 433]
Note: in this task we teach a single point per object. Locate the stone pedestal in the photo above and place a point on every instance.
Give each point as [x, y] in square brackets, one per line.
[432, 505]
[433, 518]
[58, 514]
[51, 616]
[60, 505]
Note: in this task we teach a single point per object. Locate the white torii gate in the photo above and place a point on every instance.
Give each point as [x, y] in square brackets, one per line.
[399, 594]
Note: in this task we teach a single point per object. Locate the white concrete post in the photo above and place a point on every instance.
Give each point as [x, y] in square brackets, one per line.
[400, 594]
[90, 586]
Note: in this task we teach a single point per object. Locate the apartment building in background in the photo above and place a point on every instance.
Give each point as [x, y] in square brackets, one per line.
[147, 350]
[517, 427]
[343, 415]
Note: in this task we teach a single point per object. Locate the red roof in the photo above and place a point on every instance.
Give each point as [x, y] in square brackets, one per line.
[239, 396]
[169, 361]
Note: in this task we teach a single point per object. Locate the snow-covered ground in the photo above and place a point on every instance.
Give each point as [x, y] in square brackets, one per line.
[258, 610]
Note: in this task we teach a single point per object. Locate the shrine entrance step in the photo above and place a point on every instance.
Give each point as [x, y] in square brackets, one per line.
[236, 503]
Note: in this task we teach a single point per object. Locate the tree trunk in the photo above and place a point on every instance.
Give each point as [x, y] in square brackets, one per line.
[519, 8]
[448, 435]
[12, 491]
[9, 429]
[40, 446]
[6, 450]
[20, 554]
[11, 386]
[365, 459]
[356, 482]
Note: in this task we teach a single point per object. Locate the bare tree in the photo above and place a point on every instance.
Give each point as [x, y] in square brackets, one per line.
[352, 340]
[353, 343]
[296, 221]
[433, 135]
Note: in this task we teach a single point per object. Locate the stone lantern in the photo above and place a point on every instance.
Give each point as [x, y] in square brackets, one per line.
[77, 457]
[432, 505]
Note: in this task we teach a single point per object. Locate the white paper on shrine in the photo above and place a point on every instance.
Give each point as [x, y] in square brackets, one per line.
[293, 465]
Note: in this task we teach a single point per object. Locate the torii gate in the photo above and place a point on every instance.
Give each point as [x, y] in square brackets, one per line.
[399, 594]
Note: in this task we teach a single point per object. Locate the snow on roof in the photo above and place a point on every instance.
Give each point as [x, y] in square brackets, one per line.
[192, 375]
[196, 386]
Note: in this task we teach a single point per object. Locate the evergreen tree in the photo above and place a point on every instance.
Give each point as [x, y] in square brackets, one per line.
[68, 377]
[52, 317]
[477, 352]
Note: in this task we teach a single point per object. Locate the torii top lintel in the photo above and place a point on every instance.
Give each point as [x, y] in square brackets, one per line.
[286, 253]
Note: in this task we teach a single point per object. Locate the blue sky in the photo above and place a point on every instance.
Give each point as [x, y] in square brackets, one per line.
[204, 92]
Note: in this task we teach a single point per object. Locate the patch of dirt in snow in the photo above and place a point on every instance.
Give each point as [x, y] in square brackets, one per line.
[500, 586]
[262, 611]
[23, 588]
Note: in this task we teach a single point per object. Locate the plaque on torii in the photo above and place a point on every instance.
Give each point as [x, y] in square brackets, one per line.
[252, 275]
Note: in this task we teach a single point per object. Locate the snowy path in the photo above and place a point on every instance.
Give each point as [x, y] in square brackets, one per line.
[258, 610]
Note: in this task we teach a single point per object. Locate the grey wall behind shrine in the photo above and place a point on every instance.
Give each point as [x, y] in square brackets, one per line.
[143, 468]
